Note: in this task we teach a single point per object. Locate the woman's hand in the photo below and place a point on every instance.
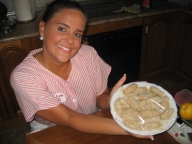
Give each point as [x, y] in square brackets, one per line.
[118, 85]
[142, 136]
[115, 88]
[103, 100]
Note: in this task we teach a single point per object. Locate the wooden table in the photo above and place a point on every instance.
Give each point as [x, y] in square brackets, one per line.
[64, 135]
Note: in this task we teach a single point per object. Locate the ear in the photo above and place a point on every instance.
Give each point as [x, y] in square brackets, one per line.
[41, 28]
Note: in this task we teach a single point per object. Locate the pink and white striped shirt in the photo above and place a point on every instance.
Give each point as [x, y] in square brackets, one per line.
[36, 88]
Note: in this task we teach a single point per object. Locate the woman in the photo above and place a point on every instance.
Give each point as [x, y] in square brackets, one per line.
[64, 82]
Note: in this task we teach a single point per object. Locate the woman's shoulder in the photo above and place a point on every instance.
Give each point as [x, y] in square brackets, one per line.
[87, 50]
[28, 63]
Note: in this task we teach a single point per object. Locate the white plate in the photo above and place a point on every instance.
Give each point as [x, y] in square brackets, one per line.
[166, 124]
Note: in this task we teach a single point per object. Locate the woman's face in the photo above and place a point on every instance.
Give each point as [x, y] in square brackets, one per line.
[62, 35]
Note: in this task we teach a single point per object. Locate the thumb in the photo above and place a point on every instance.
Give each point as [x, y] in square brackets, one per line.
[118, 84]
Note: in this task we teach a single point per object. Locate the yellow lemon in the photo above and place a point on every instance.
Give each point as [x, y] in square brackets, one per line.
[185, 111]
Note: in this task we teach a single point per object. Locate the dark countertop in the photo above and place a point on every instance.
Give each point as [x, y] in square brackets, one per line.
[31, 29]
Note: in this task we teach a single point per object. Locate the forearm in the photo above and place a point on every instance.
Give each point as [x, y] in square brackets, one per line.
[95, 124]
[100, 125]
[85, 123]
[103, 101]
[81, 122]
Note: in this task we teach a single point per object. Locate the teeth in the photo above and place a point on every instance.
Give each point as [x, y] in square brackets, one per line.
[67, 49]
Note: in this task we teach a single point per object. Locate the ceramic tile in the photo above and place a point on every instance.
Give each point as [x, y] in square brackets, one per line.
[14, 136]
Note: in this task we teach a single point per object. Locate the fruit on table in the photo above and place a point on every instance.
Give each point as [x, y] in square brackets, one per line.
[183, 96]
[185, 111]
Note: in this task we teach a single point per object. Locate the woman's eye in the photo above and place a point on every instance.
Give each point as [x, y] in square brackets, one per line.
[78, 35]
[61, 29]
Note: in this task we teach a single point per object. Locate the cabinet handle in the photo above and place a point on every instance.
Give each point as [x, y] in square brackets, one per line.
[146, 29]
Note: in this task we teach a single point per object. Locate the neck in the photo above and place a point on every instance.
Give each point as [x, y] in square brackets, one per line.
[60, 69]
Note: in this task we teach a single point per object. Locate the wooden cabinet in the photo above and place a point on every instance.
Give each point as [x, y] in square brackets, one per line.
[162, 61]
[100, 28]
[183, 63]
[35, 43]
[11, 54]
[156, 40]
[182, 51]
[3, 111]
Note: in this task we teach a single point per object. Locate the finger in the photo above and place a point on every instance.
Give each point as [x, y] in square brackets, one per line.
[119, 83]
[151, 137]
[147, 137]
[143, 136]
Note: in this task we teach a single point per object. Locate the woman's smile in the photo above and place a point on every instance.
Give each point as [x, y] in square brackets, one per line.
[64, 49]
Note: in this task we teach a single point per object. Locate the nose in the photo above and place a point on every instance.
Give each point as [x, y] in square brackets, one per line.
[70, 38]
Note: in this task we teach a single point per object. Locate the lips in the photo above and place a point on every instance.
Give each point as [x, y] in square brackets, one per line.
[64, 48]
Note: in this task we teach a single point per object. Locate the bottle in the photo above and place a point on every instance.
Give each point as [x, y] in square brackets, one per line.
[147, 4]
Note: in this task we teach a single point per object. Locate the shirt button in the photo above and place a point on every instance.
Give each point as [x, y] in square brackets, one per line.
[74, 100]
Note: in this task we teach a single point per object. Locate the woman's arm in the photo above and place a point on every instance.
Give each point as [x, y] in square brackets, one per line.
[86, 123]
[103, 100]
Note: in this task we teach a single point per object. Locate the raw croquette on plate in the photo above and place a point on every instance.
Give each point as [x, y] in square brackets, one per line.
[165, 124]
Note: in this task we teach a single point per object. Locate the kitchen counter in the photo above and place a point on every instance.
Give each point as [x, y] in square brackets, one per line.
[31, 29]
[62, 134]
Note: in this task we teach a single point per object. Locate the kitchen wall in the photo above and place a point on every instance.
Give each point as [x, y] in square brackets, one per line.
[9, 3]
[39, 3]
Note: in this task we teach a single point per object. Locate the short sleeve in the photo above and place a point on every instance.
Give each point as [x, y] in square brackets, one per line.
[102, 70]
[98, 67]
[31, 94]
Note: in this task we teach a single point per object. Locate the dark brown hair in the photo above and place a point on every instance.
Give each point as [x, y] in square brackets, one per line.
[58, 5]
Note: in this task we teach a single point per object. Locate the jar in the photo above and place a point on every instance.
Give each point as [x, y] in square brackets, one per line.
[147, 4]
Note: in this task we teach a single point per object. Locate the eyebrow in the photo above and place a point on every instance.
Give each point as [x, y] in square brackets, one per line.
[69, 27]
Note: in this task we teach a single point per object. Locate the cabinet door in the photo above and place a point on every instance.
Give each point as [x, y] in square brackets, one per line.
[11, 54]
[3, 110]
[35, 43]
[156, 40]
[184, 59]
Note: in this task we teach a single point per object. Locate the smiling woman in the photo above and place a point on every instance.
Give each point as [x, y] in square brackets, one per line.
[64, 82]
